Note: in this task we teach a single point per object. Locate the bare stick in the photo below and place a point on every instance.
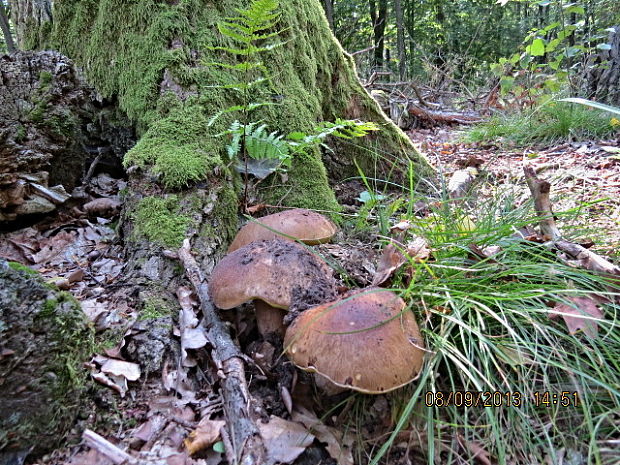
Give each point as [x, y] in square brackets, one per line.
[105, 447]
[587, 259]
[540, 190]
[243, 433]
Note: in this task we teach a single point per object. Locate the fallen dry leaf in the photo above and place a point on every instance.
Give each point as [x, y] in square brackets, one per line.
[338, 444]
[53, 247]
[205, 435]
[478, 452]
[578, 315]
[193, 336]
[284, 440]
[102, 207]
[392, 258]
[128, 370]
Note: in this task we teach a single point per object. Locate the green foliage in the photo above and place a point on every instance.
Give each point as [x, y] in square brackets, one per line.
[552, 56]
[259, 144]
[547, 123]
[158, 220]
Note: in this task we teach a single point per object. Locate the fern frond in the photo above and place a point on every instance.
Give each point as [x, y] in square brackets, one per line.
[220, 113]
[260, 144]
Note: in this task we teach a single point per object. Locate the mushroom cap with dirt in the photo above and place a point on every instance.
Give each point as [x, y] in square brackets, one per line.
[367, 341]
[304, 225]
[277, 274]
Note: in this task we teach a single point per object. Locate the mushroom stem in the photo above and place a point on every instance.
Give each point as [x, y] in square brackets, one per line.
[269, 319]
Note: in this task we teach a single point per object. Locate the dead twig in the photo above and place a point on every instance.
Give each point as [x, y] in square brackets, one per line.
[245, 443]
[106, 448]
[581, 256]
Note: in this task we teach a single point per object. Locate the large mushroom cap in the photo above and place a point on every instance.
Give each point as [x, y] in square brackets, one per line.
[305, 225]
[276, 272]
[364, 342]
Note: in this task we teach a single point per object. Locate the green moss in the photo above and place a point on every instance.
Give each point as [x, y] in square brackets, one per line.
[36, 36]
[304, 187]
[177, 148]
[224, 217]
[70, 329]
[155, 307]
[26, 269]
[158, 220]
[45, 78]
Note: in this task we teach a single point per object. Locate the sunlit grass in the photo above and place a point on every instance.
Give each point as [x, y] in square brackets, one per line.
[487, 327]
[552, 122]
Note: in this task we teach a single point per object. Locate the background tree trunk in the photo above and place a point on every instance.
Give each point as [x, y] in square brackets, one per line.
[378, 17]
[155, 58]
[400, 40]
[328, 5]
[604, 72]
[32, 20]
[6, 30]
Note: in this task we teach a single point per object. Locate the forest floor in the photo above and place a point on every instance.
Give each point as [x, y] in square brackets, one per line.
[80, 252]
[583, 176]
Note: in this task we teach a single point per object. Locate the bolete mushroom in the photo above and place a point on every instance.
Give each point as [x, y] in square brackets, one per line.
[304, 225]
[275, 274]
[366, 341]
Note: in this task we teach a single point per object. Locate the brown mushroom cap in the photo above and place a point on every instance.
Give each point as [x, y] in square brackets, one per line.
[305, 225]
[364, 342]
[276, 272]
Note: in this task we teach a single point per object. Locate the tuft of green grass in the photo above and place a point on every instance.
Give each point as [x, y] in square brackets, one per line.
[487, 327]
[551, 122]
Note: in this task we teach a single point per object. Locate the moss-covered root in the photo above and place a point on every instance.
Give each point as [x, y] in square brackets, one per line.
[45, 340]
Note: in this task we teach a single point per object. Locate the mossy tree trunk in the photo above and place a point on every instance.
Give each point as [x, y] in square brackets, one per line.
[155, 57]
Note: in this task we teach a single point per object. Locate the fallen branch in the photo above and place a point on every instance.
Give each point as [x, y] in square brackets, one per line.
[243, 436]
[436, 117]
[106, 448]
[585, 258]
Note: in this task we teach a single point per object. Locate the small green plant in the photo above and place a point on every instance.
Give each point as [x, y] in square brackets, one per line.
[262, 151]
[550, 58]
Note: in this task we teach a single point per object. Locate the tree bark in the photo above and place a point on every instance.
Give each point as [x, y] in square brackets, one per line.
[6, 30]
[603, 78]
[400, 40]
[328, 6]
[378, 17]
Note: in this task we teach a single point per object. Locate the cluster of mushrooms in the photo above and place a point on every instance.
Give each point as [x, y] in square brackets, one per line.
[365, 340]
